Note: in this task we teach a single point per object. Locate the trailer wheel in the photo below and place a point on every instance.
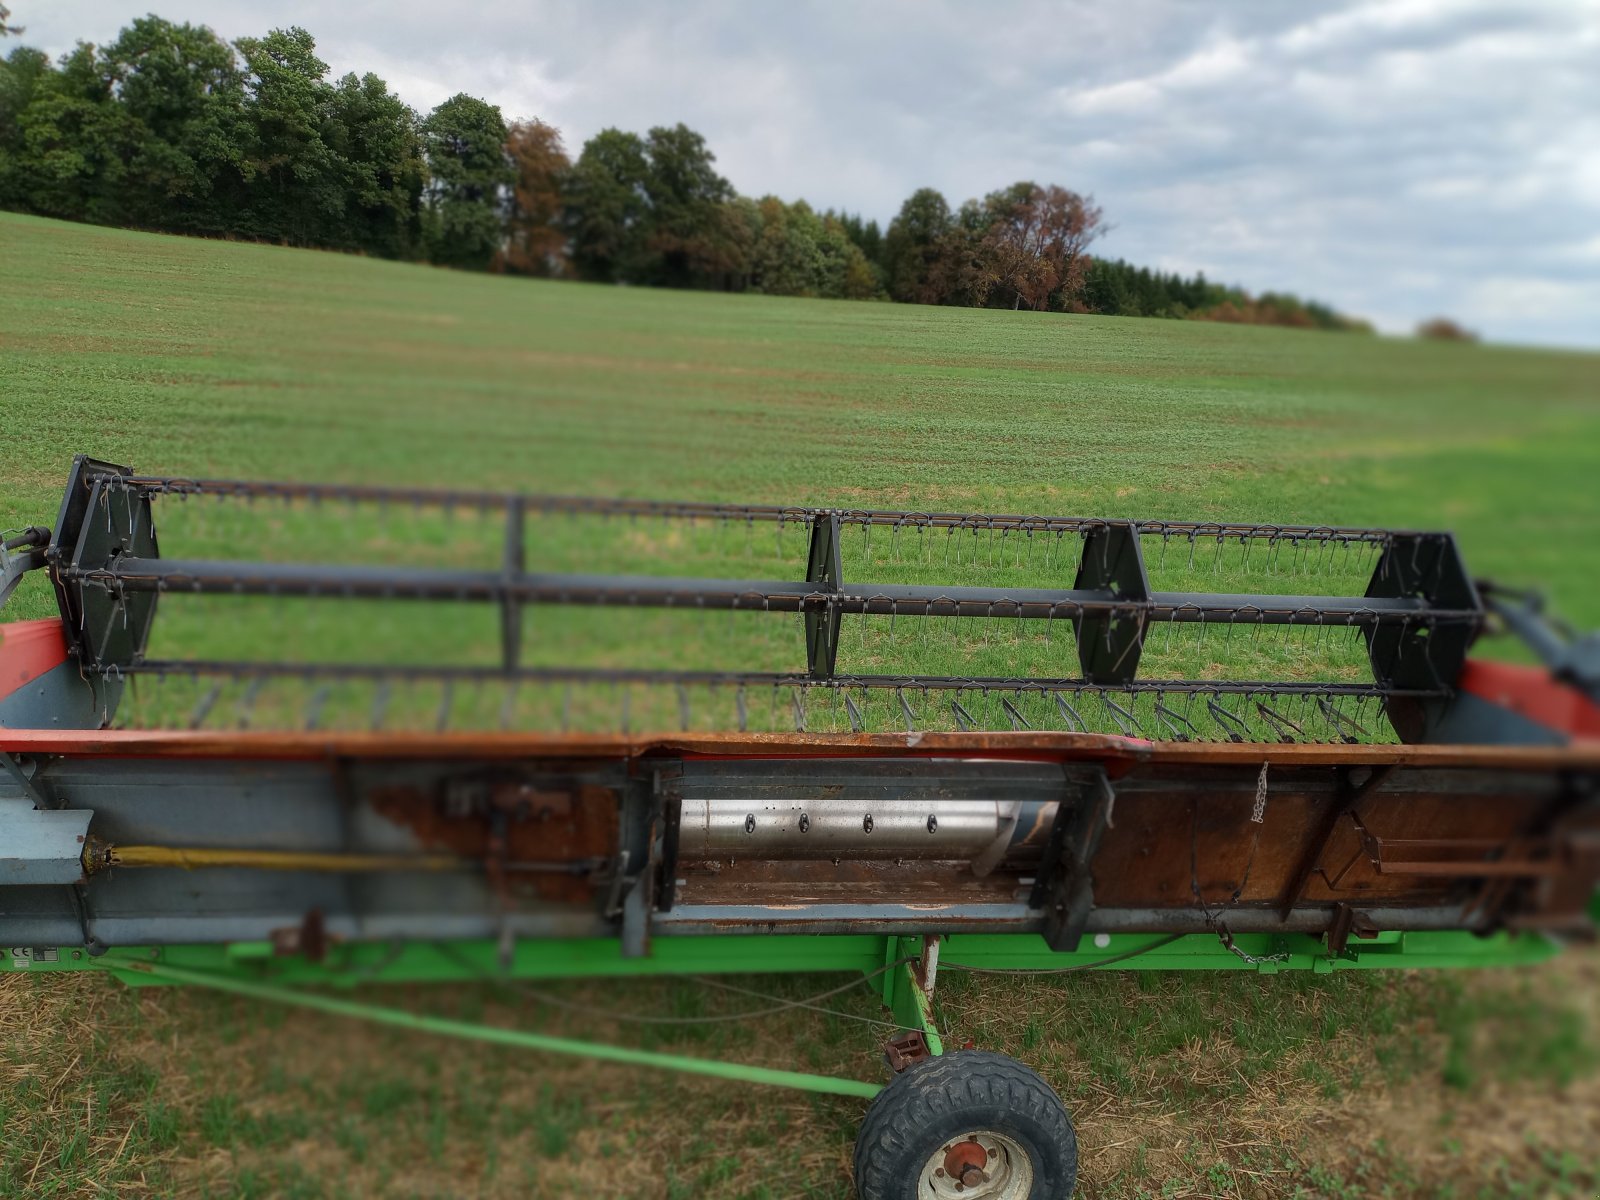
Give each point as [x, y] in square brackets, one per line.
[969, 1125]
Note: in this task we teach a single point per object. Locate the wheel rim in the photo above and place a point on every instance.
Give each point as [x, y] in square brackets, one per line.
[981, 1164]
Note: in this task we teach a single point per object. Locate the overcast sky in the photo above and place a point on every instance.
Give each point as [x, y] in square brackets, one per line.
[1397, 158]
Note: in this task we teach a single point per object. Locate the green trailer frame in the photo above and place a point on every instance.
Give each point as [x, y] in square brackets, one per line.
[255, 971]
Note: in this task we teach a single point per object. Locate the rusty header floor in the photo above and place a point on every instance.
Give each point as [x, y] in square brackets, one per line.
[1105, 748]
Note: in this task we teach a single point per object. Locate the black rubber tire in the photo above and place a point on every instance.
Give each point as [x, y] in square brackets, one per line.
[941, 1098]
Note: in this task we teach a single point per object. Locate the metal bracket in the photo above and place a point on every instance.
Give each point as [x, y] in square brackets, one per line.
[18, 555]
[638, 897]
[23, 780]
[906, 1048]
[515, 562]
[1425, 654]
[908, 992]
[1352, 784]
[825, 571]
[101, 520]
[1109, 644]
[1065, 885]
[1572, 658]
[1348, 921]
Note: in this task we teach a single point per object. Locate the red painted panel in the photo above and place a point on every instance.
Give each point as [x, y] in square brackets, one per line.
[27, 650]
[1531, 692]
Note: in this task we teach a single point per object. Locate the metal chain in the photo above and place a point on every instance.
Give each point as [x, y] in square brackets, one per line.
[1226, 937]
[1258, 814]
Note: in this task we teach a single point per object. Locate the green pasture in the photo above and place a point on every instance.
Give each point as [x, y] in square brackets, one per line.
[208, 358]
[204, 358]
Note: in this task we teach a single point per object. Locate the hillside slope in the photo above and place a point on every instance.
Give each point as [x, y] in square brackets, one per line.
[192, 356]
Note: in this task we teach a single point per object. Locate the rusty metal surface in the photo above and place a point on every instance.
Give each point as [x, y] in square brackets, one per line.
[1352, 838]
[511, 827]
[905, 1049]
[776, 883]
[1048, 746]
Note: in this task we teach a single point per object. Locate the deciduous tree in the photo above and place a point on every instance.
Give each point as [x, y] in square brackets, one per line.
[1037, 243]
[20, 73]
[535, 242]
[911, 248]
[378, 150]
[465, 142]
[685, 195]
[74, 142]
[294, 183]
[607, 208]
[181, 86]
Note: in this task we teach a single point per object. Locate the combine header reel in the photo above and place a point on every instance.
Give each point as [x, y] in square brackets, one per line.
[924, 740]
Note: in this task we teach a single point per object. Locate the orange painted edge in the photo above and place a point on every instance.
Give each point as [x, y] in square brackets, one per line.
[1532, 693]
[29, 649]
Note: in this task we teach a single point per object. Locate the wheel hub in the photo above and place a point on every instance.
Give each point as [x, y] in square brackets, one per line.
[983, 1165]
[965, 1162]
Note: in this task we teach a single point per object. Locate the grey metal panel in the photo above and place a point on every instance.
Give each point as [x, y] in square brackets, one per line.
[1019, 918]
[264, 805]
[847, 918]
[179, 928]
[61, 698]
[37, 916]
[209, 890]
[1471, 720]
[41, 846]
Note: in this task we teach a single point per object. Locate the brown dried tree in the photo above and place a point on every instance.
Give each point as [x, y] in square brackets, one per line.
[1445, 329]
[535, 243]
[1037, 244]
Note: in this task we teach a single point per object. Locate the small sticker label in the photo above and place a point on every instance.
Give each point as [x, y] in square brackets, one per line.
[23, 956]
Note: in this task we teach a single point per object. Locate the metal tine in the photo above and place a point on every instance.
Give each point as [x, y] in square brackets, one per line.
[508, 706]
[742, 709]
[1124, 720]
[1338, 722]
[203, 709]
[854, 713]
[1075, 722]
[1171, 718]
[247, 702]
[319, 700]
[964, 720]
[1281, 724]
[380, 705]
[799, 711]
[1235, 729]
[447, 695]
[905, 710]
[1018, 721]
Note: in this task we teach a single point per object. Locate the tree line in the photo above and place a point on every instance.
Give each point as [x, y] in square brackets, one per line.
[169, 127]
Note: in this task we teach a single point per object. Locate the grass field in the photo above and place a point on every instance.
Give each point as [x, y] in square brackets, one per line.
[208, 358]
